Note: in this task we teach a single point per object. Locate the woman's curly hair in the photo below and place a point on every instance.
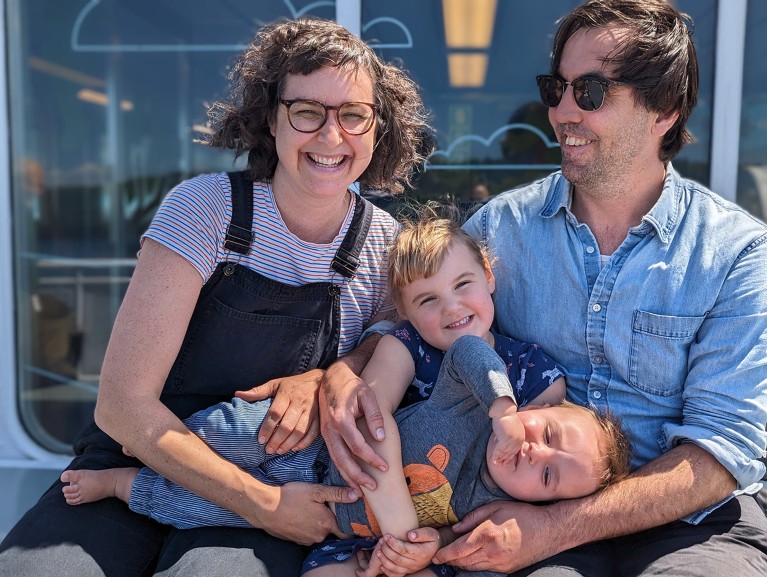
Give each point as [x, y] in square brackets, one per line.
[303, 46]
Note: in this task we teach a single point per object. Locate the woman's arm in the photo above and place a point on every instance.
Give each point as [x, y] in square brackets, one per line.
[145, 341]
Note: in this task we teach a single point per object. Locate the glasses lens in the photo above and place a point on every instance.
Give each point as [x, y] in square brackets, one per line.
[306, 115]
[589, 93]
[551, 89]
[355, 117]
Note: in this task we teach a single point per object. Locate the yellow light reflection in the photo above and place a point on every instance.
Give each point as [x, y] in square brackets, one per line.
[95, 97]
[469, 23]
[467, 70]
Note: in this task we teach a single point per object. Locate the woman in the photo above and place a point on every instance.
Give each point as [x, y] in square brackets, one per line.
[244, 279]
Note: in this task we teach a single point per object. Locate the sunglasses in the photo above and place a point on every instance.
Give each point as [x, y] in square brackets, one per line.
[309, 116]
[588, 91]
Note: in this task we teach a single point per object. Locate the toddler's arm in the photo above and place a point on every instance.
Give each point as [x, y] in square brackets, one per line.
[389, 373]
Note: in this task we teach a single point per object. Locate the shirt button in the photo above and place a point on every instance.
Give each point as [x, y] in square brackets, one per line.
[597, 395]
[596, 308]
[597, 360]
[590, 249]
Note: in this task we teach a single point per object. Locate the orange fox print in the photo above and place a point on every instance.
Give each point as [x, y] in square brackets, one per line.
[430, 490]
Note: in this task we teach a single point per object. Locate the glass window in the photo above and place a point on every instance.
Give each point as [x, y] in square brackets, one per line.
[106, 99]
[476, 62]
[752, 161]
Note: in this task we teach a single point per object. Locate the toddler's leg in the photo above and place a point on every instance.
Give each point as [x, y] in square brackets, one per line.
[86, 486]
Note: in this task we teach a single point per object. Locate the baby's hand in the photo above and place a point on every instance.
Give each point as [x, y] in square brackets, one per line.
[510, 435]
[396, 558]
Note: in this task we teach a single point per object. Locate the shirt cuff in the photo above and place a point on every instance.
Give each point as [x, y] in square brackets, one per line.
[381, 328]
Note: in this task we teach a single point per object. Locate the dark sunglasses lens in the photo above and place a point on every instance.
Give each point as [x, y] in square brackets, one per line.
[589, 94]
[551, 90]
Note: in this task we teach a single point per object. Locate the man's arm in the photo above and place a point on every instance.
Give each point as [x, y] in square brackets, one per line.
[507, 536]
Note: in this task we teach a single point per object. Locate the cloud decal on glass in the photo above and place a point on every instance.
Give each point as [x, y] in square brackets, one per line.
[440, 159]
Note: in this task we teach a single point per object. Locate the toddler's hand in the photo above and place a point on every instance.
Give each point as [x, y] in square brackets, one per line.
[395, 558]
[510, 435]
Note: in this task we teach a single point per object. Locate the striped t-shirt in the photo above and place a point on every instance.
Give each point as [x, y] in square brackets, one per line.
[193, 218]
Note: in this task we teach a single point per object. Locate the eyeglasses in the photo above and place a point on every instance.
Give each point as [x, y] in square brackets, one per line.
[588, 91]
[309, 116]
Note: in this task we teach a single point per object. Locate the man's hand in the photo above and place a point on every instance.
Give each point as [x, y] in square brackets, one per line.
[502, 536]
[292, 422]
[298, 512]
[343, 398]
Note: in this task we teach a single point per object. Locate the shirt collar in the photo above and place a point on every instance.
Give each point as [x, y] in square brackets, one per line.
[663, 217]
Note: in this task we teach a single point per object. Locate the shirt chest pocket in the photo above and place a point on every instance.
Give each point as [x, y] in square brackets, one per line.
[660, 345]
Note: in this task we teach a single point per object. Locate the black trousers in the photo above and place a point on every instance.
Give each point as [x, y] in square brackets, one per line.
[106, 539]
[729, 542]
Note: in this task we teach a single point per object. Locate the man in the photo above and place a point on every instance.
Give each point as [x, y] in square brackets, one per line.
[650, 291]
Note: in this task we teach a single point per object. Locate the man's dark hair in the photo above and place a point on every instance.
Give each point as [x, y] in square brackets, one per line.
[656, 56]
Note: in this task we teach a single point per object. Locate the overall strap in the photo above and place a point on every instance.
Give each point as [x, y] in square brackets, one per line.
[347, 260]
[239, 234]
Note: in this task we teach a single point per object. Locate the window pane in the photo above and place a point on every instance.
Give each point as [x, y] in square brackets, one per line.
[476, 62]
[752, 173]
[105, 100]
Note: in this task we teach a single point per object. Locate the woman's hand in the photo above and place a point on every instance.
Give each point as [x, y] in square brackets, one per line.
[299, 512]
[292, 421]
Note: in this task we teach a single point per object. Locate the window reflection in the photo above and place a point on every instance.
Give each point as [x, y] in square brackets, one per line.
[752, 173]
[106, 97]
[476, 64]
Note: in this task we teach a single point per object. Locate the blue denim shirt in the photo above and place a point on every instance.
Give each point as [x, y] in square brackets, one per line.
[670, 335]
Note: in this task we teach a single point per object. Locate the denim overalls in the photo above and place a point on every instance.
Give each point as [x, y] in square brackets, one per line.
[246, 329]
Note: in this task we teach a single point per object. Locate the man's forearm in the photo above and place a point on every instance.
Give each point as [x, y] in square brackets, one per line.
[359, 357]
[684, 480]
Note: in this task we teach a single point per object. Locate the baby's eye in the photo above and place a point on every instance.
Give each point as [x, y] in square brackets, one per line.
[547, 434]
[546, 476]
[463, 283]
[426, 300]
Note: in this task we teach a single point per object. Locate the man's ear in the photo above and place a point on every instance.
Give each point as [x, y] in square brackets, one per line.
[664, 122]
